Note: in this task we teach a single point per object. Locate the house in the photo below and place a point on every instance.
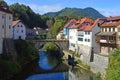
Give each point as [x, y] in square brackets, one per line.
[6, 30]
[67, 26]
[73, 36]
[76, 28]
[38, 30]
[61, 36]
[30, 33]
[109, 37]
[19, 30]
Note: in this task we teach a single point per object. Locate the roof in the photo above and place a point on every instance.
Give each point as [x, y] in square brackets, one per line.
[86, 20]
[4, 9]
[14, 23]
[85, 28]
[110, 24]
[114, 18]
[106, 33]
[70, 23]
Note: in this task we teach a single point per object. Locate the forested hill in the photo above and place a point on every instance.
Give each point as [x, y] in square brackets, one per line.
[26, 14]
[87, 12]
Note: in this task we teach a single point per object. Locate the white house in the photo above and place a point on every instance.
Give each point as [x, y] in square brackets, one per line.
[73, 36]
[61, 36]
[19, 30]
[6, 30]
[87, 39]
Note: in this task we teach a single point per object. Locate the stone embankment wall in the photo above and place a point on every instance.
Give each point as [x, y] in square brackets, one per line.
[99, 64]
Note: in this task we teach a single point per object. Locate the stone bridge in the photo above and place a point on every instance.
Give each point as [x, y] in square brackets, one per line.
[63, 44]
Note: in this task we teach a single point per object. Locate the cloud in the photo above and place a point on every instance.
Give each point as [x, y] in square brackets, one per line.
[109, 11]
[45, 8]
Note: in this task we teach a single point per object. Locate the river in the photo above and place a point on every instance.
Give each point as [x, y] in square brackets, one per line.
[47, 63]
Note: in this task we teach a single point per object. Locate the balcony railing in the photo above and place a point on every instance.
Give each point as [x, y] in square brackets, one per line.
[106, 41]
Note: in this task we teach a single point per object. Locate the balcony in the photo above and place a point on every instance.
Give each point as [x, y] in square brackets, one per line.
[106, 41]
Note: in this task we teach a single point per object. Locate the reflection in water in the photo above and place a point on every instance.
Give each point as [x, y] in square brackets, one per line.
[51, 76]
[46, 61]
[81, 74]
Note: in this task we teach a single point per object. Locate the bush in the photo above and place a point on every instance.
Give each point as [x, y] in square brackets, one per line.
[113, 70]
[26, 51]
[98, 74]
[50, 47]
[8, 69]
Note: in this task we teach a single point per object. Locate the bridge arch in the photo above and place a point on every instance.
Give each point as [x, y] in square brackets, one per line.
[63, 44]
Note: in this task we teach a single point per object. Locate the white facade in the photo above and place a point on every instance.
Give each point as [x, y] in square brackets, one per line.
[72, 39]
[6, 30]
[19, 31]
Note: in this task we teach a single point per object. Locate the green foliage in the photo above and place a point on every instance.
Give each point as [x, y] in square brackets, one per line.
[85, 66]
[26, 51]
[58, 25]
[50, 47]
[113, 70]
[41, 36]
[98, 74]
[3, 3]
[26, 14]
[77, 55]
[8, 69]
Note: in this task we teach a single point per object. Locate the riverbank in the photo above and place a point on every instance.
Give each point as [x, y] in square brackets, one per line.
[80, 63]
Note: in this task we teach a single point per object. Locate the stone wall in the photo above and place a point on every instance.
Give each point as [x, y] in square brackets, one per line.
[85, 52]
[99, 64]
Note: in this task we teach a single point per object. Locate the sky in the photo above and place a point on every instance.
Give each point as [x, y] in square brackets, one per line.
[105, 7]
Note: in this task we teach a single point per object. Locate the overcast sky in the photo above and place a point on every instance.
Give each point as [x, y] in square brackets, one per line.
[105, 7]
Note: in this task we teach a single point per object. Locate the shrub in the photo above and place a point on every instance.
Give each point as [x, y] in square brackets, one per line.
[113, 70]
[98, 74]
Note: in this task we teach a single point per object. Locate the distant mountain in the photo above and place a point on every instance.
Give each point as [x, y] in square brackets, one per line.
[87, 12]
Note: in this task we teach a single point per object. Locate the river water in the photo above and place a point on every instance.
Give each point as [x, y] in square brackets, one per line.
[47, 63]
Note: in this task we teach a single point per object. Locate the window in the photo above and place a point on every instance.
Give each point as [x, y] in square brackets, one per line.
[9, 27]
[18, 25]
[9, 17]
[109, 29]
[73, 45]
[89, 32]
[88, 40]
[3, 26]
[22, 31]
[113, 29]
[105, 29]
[17, 31]
[80, 39]
[85, 32]
[21, 26]
[70, 37]
[85, 40]
[3, 16]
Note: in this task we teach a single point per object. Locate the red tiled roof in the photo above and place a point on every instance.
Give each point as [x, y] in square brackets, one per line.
[86, 20]
[85, 28]
[15, 22]
[91, 26]
[110, 24]
[72, 20]
[4, 9]
[114, 18]
[73, 27]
